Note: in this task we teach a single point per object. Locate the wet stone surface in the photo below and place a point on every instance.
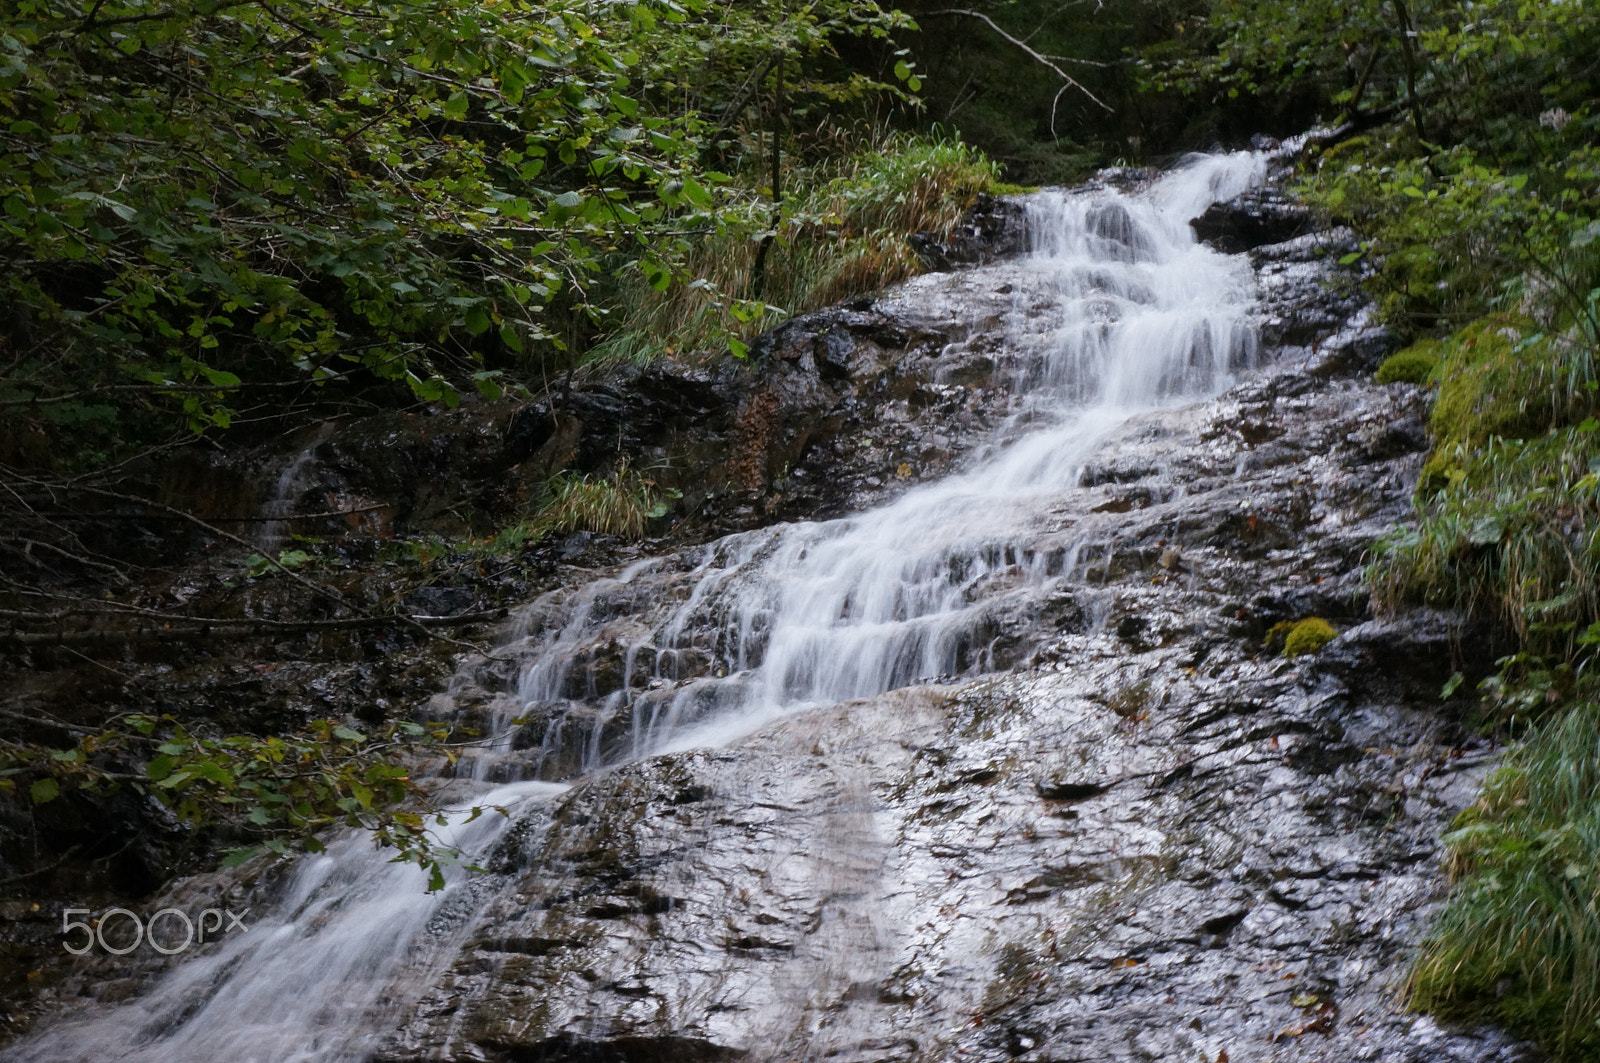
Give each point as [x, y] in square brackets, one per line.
[1151, 839]
[1144, 836]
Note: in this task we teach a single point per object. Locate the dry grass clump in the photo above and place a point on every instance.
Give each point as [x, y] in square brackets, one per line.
[620, 504]
[843, 232]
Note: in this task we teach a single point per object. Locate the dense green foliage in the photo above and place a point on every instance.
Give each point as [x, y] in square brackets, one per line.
[260, 194]
[242, 205]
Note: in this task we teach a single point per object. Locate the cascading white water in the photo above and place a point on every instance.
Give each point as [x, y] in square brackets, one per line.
[1136, 315]
[1139, 315]
[278, 510]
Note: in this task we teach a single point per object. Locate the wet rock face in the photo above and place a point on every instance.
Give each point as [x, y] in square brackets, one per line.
[1152, 839]
[834, 410]
[1174, 872]
[1129, 859]
[1257, 218]
[995, 227]
[1147, 837]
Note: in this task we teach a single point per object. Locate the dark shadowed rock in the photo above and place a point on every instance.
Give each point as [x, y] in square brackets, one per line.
[996, 226]
[1258, 217]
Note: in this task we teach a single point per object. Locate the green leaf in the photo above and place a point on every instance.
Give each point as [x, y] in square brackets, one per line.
[348, 735]
[213, 772]
[235, 857]
[44, 790]
[159, 768]
[696, 193]
[657, 276]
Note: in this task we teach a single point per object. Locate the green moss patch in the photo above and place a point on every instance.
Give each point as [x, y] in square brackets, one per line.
[1491, 384]
[1414, 365]
[1297, 638]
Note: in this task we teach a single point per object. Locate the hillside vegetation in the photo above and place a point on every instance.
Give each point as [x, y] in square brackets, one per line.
[224, 220]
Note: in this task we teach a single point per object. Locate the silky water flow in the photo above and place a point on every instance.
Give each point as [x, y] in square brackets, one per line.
[1126, 313]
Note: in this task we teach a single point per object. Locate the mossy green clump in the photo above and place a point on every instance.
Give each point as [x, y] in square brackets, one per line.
[1307, 636]
[1494, 384]
[1414, 365]
[1491, 384]
[1510, 528]
[1517, 939]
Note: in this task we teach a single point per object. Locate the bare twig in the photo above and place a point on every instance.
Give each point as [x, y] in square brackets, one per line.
[182, 627]
[1035, 56]
[67, 515]
[45, 400]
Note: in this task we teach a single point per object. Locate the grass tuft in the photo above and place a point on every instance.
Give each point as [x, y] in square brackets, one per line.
[1519, 937]
[620, 504]
[842, 234]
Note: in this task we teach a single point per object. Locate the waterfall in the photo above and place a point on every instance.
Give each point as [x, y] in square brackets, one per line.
[1118, 311]
[278, 510]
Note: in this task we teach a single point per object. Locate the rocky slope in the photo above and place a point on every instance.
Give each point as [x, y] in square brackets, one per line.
[1155, 838]
[1148, 836]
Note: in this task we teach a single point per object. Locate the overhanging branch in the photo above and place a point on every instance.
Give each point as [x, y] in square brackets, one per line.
[1043, 60]
[188, 628]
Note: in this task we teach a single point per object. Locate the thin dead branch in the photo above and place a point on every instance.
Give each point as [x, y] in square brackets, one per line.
[1043, 60]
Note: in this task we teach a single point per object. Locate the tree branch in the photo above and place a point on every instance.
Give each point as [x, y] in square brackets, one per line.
[183, 627]
[1038, 58]
[43, 400]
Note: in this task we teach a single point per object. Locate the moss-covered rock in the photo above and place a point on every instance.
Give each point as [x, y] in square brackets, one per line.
[1414, 365]
[1307, 636]
[1489, 385]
